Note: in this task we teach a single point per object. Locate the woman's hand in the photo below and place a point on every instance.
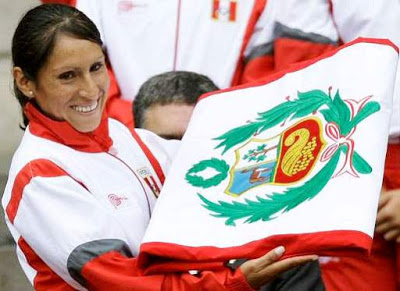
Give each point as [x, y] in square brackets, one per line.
[260, 271]
[388, 218]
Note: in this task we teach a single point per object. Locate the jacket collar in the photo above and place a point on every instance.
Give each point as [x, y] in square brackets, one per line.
[62, 132]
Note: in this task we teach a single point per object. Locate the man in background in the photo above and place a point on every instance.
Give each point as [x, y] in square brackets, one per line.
[165, 102]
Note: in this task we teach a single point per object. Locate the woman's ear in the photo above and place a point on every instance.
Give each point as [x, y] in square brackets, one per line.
[26, 86]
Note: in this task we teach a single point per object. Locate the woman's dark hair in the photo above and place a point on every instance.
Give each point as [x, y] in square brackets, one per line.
[35, 36]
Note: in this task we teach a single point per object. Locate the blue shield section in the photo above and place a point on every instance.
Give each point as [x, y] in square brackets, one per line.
[249, 177]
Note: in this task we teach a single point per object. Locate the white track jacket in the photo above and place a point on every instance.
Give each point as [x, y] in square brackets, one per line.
[78, 205]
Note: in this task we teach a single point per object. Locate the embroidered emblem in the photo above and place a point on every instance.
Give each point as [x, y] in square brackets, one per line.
[302, 159]
[224, 10]
[146, 175]
[116, 200]
[280, 160]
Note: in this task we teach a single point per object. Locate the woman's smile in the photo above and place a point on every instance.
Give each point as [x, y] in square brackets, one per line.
[89, 108]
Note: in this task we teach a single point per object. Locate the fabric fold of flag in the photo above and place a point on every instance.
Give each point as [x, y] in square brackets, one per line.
[294, 160]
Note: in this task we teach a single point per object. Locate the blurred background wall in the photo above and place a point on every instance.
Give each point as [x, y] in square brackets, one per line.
[11, 275]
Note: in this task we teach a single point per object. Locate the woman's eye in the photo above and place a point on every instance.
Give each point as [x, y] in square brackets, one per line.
[66, 76]
[96, 67]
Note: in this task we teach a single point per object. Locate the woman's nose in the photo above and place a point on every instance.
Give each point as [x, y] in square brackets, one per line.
[88, 88]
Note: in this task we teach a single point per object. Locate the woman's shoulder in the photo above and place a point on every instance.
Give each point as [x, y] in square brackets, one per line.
[32, 148]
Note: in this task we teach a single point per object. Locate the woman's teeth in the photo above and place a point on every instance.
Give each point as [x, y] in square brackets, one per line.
[85, 108]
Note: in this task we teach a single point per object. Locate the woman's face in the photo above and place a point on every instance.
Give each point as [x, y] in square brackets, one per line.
[73, 84]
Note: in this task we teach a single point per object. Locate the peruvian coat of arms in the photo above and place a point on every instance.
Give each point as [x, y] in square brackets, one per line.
[302, 158]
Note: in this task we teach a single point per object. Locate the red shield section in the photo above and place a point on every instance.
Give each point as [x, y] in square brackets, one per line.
[298, 151]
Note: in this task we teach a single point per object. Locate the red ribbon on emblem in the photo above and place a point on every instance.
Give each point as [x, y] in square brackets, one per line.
[333, 132]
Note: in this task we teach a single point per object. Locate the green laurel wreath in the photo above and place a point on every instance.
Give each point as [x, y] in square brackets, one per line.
[218, 165]
[333, 110]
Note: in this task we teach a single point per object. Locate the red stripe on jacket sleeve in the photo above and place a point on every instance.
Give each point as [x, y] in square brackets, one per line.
[156, 165]
[45, 278]
[113, 271]
[35, 168]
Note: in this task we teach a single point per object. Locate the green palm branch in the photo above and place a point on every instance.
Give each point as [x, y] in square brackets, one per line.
[306, 103]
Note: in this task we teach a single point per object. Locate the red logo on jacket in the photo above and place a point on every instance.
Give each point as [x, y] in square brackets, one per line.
[116, 200]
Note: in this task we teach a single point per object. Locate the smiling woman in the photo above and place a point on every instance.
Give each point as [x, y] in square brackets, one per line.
[81, 186]
[72, 86]
[50, 48]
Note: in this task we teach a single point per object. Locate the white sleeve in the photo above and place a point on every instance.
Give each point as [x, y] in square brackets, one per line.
[308, 16]
[163, 150]
[367, 18]
[56, 216]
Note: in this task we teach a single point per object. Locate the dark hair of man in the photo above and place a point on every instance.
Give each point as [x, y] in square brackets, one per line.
[35, 37]
[178, 87]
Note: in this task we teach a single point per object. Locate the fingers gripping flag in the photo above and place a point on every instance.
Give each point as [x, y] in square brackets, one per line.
[296, 160]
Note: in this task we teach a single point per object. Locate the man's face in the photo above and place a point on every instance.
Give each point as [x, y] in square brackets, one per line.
[168, 121]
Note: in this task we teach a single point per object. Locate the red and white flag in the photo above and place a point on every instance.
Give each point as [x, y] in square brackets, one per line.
[224, 10]
[295, 160]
